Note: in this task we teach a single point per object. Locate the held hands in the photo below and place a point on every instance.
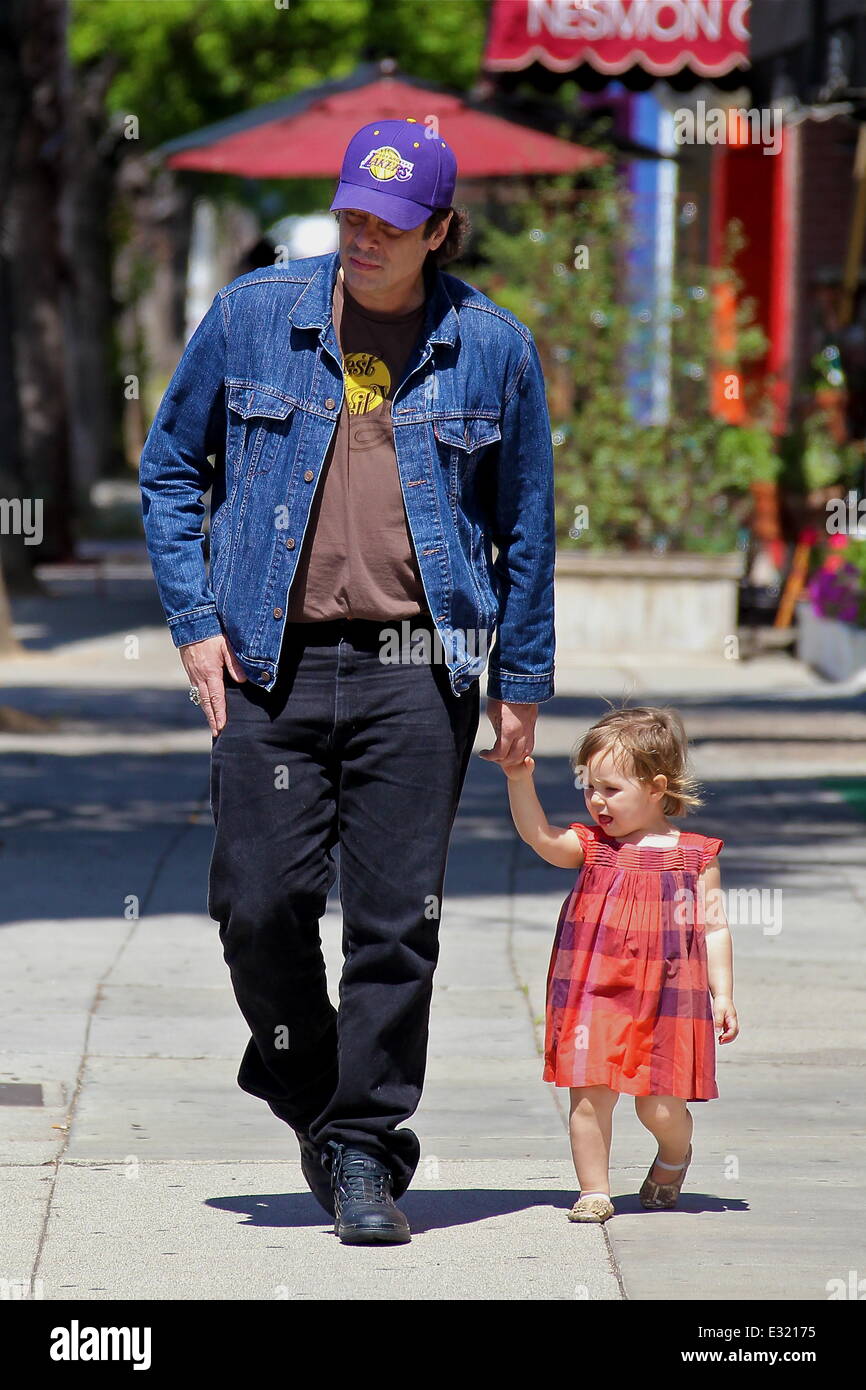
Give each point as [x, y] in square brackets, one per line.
[725, 1018]
[514, 726]
[521, 771]
[204, 663]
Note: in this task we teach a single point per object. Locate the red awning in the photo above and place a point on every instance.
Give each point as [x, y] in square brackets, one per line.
[305, 136]
[709, 37]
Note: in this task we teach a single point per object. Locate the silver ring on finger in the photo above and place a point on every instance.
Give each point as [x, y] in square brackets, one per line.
[195, 695]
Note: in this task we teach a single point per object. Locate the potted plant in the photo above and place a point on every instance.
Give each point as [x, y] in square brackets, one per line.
[831, 391]
[828, 465]
[651, 506]
[831, 618]
[747, 457]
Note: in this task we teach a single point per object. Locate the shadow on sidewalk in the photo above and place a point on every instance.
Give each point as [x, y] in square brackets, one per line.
[430, 1211]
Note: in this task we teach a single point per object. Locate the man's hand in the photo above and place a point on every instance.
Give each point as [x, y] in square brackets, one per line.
[204, 663]
[514, 726]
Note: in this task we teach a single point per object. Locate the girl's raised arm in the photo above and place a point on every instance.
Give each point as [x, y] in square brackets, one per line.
[556, 844]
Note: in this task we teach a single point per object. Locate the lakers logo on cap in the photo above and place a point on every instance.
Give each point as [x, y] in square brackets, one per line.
[386, 163]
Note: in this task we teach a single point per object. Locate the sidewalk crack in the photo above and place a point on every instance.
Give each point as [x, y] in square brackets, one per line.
[173, 843]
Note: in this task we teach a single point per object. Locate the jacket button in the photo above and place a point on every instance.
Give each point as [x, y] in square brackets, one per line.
[309, 475]
[290, 543]
[330, 403]
[264, 676]
[278, 612]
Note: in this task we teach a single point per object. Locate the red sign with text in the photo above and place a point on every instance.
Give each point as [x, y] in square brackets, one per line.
[711, 37]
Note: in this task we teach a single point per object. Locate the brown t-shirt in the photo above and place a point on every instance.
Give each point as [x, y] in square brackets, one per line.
[358, 560]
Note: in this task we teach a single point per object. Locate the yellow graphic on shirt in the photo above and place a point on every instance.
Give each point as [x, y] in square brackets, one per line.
[368, 382]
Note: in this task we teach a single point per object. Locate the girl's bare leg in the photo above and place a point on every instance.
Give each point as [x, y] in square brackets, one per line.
[590, 1126]
[669, 1120]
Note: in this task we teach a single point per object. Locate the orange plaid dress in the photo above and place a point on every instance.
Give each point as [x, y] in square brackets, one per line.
[628, 1003]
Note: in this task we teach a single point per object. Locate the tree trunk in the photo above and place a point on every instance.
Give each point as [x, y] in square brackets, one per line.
[17, 558]
[95, 389]
[151, 278]
[9, 644]
[40, 277]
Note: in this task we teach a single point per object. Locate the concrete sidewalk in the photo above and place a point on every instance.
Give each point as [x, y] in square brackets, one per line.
[140, 1170]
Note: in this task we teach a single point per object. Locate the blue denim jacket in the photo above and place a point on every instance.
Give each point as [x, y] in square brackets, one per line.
[259, 389]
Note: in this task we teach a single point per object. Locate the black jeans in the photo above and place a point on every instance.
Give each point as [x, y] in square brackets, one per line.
[346, 748]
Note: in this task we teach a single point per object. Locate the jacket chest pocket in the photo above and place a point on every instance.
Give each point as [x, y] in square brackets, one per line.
[462, 440]
[259, 420]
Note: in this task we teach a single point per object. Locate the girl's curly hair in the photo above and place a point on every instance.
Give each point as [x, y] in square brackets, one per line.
[645, 741]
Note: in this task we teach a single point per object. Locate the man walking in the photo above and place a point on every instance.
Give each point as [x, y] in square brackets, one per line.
[376, 427]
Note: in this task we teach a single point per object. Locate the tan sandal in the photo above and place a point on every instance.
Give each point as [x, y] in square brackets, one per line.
[664, 1195]
[591, 1209]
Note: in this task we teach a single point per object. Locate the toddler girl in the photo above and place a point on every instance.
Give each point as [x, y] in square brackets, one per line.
[641, 944]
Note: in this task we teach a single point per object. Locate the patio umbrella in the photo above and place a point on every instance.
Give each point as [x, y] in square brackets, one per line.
[305, 136]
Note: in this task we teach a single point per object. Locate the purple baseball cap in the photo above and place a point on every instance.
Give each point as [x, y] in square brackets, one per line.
[397, 171]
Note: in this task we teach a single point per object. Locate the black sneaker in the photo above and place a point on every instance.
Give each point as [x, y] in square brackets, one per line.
[363, 1201]
[318, 1180]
